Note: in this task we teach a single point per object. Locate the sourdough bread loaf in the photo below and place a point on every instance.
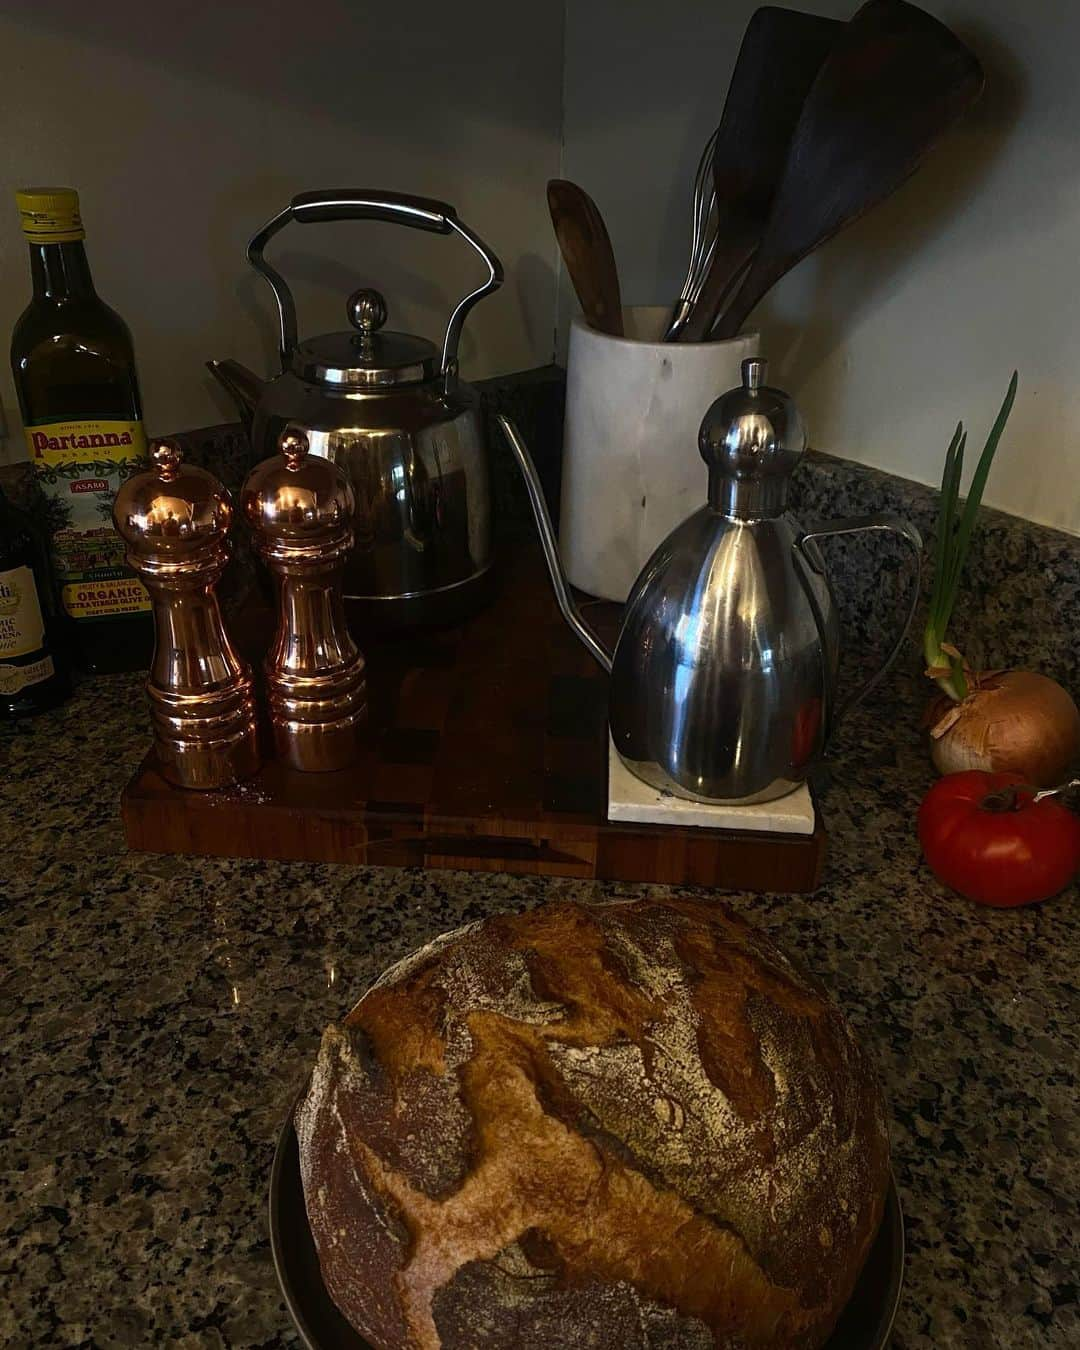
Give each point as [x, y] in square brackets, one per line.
[619, 1127]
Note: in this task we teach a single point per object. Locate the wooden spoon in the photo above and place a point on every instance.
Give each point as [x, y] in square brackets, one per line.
[782, 51]
[588, 255]
[894, 83]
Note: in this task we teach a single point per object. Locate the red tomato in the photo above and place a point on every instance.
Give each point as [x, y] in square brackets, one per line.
[997, 857]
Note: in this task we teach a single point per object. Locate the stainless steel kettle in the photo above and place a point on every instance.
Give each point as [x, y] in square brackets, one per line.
[390, 410]
[723, 681]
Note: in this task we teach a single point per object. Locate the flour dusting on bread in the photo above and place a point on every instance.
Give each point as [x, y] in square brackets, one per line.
[632, 1125]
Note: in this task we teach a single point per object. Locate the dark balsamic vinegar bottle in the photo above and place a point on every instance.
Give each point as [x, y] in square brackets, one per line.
[33, 670]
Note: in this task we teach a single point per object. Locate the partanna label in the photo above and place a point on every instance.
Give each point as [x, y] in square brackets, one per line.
[80, 464]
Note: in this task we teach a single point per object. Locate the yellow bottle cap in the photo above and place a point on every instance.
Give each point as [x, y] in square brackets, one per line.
[50, 215]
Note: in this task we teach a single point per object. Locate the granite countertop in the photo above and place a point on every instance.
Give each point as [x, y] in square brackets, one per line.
[158, 1014]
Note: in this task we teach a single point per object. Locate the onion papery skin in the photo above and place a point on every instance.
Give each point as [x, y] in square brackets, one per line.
[1014, 721]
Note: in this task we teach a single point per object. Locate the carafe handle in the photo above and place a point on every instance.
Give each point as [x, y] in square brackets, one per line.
[812, 557]
[419, 213]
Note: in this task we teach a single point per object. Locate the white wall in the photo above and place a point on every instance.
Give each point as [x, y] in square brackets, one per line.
[914, 317]
[186, 126]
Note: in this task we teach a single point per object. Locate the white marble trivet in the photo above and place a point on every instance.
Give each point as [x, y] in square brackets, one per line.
[631, 799]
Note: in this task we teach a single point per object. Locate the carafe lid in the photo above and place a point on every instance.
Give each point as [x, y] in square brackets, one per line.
[751, 438]
[366, 358]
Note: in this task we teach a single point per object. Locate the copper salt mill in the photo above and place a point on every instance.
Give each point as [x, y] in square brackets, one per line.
[300, 508]
[174, 519]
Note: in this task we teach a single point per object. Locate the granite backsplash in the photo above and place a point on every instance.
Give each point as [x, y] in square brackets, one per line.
[1020, 585]
[1021, 581]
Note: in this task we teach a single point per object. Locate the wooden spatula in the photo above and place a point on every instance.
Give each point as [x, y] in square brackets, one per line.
[781, 54]
[588, 255]
[893, 84]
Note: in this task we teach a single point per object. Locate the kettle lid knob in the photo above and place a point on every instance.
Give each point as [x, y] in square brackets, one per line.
[366, 309]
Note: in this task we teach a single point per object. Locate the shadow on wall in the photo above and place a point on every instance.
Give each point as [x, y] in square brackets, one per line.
[646, 196]
[397, 282]
[865, 263]
[307, 271]
[339, 58]
[420, 275]
[535, 275]
[700, 105]
[194, 127]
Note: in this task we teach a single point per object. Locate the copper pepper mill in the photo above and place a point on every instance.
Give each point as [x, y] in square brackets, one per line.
[300, 508]
[174, 519]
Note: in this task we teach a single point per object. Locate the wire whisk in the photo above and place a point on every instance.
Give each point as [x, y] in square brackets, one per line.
[703, 226]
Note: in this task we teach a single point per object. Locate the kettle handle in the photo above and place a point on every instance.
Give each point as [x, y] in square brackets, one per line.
[399, 208]
[856, 525]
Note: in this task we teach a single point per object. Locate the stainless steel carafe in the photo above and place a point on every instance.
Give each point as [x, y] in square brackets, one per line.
[723, 680]
[390, 410]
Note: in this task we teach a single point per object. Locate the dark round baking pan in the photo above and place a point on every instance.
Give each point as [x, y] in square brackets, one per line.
[864, 1325]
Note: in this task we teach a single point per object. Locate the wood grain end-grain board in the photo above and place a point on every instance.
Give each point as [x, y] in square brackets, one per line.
[486, 750]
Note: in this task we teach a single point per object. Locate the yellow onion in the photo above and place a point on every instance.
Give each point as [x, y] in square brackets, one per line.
[1011, 720]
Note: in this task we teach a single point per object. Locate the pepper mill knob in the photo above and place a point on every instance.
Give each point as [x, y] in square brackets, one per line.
[167, 457]
[294, 446]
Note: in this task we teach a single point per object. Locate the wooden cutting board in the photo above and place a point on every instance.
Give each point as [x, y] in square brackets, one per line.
[487, 750]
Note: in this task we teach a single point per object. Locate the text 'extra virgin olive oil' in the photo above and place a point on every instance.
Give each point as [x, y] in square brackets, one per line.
[74, 370]
[33, 674]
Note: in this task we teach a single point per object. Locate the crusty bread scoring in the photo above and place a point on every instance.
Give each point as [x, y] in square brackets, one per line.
[625, 1126]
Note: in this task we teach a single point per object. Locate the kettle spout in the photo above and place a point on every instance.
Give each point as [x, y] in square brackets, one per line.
[570, 611]
[244, 386]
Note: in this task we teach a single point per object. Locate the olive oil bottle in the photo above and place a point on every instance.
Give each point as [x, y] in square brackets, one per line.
[33, 674]
[74, 370]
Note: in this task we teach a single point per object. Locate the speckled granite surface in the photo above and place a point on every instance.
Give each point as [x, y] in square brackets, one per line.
[1020, 580]
[157, 1015]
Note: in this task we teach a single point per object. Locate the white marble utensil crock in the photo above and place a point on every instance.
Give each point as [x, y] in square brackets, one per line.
[631, 468]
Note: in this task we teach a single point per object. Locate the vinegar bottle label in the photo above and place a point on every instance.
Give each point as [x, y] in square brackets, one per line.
[22, 632]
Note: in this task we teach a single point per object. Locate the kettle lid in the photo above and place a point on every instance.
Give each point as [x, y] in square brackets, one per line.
[366, 358]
